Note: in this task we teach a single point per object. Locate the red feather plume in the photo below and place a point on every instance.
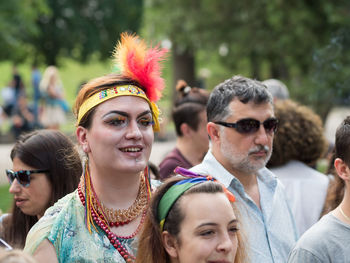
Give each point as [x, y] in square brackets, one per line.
[140, 63]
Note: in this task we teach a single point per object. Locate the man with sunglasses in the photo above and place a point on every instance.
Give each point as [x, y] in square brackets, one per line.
[241, 125]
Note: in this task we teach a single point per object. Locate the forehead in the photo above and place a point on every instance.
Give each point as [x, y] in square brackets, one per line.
[19, 165]
[198, 207]
[128, 104]
[240, 110]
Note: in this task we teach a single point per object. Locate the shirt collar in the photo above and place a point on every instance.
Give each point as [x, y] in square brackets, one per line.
[227, 179]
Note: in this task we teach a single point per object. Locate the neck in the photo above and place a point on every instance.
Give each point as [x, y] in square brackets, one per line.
[189, 150]
[115, 190]
[248, 180]
[345, 207]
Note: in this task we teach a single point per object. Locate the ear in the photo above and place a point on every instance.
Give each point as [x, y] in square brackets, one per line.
[185, 129]
[213, 131]
[82, 138]
[170, 244]
[342, 169]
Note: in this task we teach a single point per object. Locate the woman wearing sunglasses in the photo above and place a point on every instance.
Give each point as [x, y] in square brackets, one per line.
[116, 117]
[46, 167]
[191, 219]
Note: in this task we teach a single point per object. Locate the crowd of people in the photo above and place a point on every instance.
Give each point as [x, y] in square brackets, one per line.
[240, 186]
[45, 108]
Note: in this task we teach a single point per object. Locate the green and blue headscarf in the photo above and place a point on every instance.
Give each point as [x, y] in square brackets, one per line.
[179, 188]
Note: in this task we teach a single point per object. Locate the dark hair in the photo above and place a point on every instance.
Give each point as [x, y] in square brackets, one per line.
[341, 150]
[94, 86]
[153, 169]
[342, 141]
[245, 89]
[189, 104]
[300, 135]
[150, 248]
[43, 149]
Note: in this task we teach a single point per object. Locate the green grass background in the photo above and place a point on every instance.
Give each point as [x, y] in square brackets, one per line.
[5, 198]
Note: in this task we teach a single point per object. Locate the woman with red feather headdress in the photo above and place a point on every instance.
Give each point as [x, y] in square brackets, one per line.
[116, 117]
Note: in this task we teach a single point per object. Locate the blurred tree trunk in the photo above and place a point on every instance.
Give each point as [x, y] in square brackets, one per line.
[183, 67]
[255, 65]
[278, 68]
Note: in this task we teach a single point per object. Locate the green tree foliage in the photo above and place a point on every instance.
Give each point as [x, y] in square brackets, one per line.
[331, 73]
[280, 35]
[45, 30]
[81, 28]
[17, 24]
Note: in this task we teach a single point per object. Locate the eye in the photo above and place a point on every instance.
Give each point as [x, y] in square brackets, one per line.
[233, 229]
[145, 122]
[206, 233]
[117, 121]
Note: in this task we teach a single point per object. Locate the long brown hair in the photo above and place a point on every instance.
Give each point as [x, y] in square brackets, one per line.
[43, 149]
[150, 248]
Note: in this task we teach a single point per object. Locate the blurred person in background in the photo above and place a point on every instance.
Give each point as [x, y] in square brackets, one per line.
[192, 141]
[192, 219]
[17, 83]
[46, 167]
[277, 88]
[9, 99]
[36, 77]
[22, 117]
[329, 239]
[298, 144]
[54, 105]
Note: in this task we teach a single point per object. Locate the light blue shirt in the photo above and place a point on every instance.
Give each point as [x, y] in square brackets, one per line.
[271, 232]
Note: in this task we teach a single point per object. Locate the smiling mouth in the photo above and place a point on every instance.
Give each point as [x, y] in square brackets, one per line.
[131, 149]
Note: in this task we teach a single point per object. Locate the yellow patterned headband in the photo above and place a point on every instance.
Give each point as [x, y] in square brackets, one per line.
[116, 91]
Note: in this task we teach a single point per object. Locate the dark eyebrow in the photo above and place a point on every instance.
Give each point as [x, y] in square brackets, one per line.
[214, 224]
[144, 113]
[123, 113]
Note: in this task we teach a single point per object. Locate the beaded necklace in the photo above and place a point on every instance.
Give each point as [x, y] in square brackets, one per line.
[120, 217]
[95, 215]
[113, 238]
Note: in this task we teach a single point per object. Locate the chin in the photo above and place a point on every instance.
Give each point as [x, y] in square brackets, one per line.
[136, 168]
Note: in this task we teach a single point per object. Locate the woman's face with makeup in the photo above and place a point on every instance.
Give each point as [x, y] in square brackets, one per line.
[121, 135]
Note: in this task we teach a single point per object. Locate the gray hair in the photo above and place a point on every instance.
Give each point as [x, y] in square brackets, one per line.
[245, 89]
[277, 88]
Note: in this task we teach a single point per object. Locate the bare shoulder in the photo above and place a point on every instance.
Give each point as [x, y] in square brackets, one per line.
[45, 252]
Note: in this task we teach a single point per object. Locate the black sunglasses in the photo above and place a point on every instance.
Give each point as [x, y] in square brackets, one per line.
[23, 176]
[247, 126]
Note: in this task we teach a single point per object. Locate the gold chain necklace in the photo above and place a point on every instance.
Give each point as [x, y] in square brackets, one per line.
[116, 217]
[344, 215]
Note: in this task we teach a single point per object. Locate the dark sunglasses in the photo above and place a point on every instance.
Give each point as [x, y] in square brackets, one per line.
[23, 176]
[248, 126]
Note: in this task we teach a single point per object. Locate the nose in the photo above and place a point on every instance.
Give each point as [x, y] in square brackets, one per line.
[225, 243]
[15, 187]
[262, 137]
[133, 131]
